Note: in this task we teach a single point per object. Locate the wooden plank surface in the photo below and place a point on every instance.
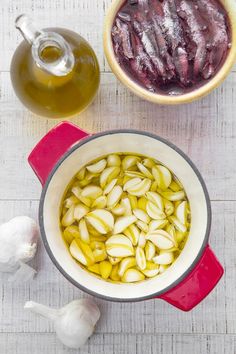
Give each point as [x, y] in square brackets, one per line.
[39, 343]
[205, 130]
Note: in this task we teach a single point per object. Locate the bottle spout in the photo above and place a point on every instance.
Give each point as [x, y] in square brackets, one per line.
[25, 25]
[61, 60]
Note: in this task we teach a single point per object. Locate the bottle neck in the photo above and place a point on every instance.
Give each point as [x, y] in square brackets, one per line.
[50, 51]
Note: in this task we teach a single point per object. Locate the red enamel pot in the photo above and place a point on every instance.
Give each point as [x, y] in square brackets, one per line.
[56, 159]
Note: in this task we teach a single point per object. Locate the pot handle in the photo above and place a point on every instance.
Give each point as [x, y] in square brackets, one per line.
[52, 147]
[197, 285]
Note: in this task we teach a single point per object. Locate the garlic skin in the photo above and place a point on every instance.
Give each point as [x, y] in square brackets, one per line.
[18, 240]
[73, 323]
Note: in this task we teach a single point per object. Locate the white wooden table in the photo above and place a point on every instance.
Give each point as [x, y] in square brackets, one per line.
[205, 130]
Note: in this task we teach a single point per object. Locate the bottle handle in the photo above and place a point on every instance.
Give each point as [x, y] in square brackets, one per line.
[52, 147]
[198, 284]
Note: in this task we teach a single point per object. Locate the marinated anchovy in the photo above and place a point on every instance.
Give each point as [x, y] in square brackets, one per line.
[163, 47]
[144, 29]
[124, 16]
[176, 40]
[190, 15]
[181, 64]
[125, 38]
[172, 25]
[143, 67]
[146, 35]
[217, 27]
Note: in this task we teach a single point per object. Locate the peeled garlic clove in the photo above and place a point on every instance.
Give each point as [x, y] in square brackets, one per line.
[85, 201]
[102, 220]
[125, 203]
[105, 269]
[94, 268]
[140, 258]
[91, 192]
[123, 222]
[114, 260]
[94, 233]
[132, 275]
[77, 253]
[150, 250]
[163, 268]
[171, 231]
[87, 251]
[180, 236]
[154, 186]
[125, 264]
[157, 224]
[131, 183]
[133, 201]
[90, 176]
[119, 246]
[76, 190]
[132, 232]
[70, 233]
[118, 210]
[141, 188]
[129, 161]
[71, 201]
[168, 207]
[149, 163]
[156, 199]
[80, 211]
[154, 212]
[173, 196]
[142, 225]
[142, 203]
[142, 240]
[108, 175]
[97, 167]
[110, 186]
[134, 174]
[114, 273]
[164, 258]
[150, 273]
[174, 186]
[69, 218]
[81, 174]
[84, 183]
[144, 170]
[97, 245]
[99, 255]
[177, 224]
[114, 196]
[84, 235]
[100, 202]
[162, 175]
[113, 160]
[181, 212]
[141, 215]
[161, 239]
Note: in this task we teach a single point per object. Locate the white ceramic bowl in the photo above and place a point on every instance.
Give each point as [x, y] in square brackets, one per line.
[57, 158]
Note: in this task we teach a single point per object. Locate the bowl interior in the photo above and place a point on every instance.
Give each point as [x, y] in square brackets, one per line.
[124, 141]
[202, 91]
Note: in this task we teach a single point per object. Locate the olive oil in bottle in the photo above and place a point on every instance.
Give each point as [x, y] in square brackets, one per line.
[54, 72]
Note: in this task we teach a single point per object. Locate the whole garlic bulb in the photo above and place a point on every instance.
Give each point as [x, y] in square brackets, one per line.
[73, 323]
[18, 240]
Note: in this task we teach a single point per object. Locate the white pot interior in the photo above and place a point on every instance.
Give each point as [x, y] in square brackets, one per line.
[136, 143]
